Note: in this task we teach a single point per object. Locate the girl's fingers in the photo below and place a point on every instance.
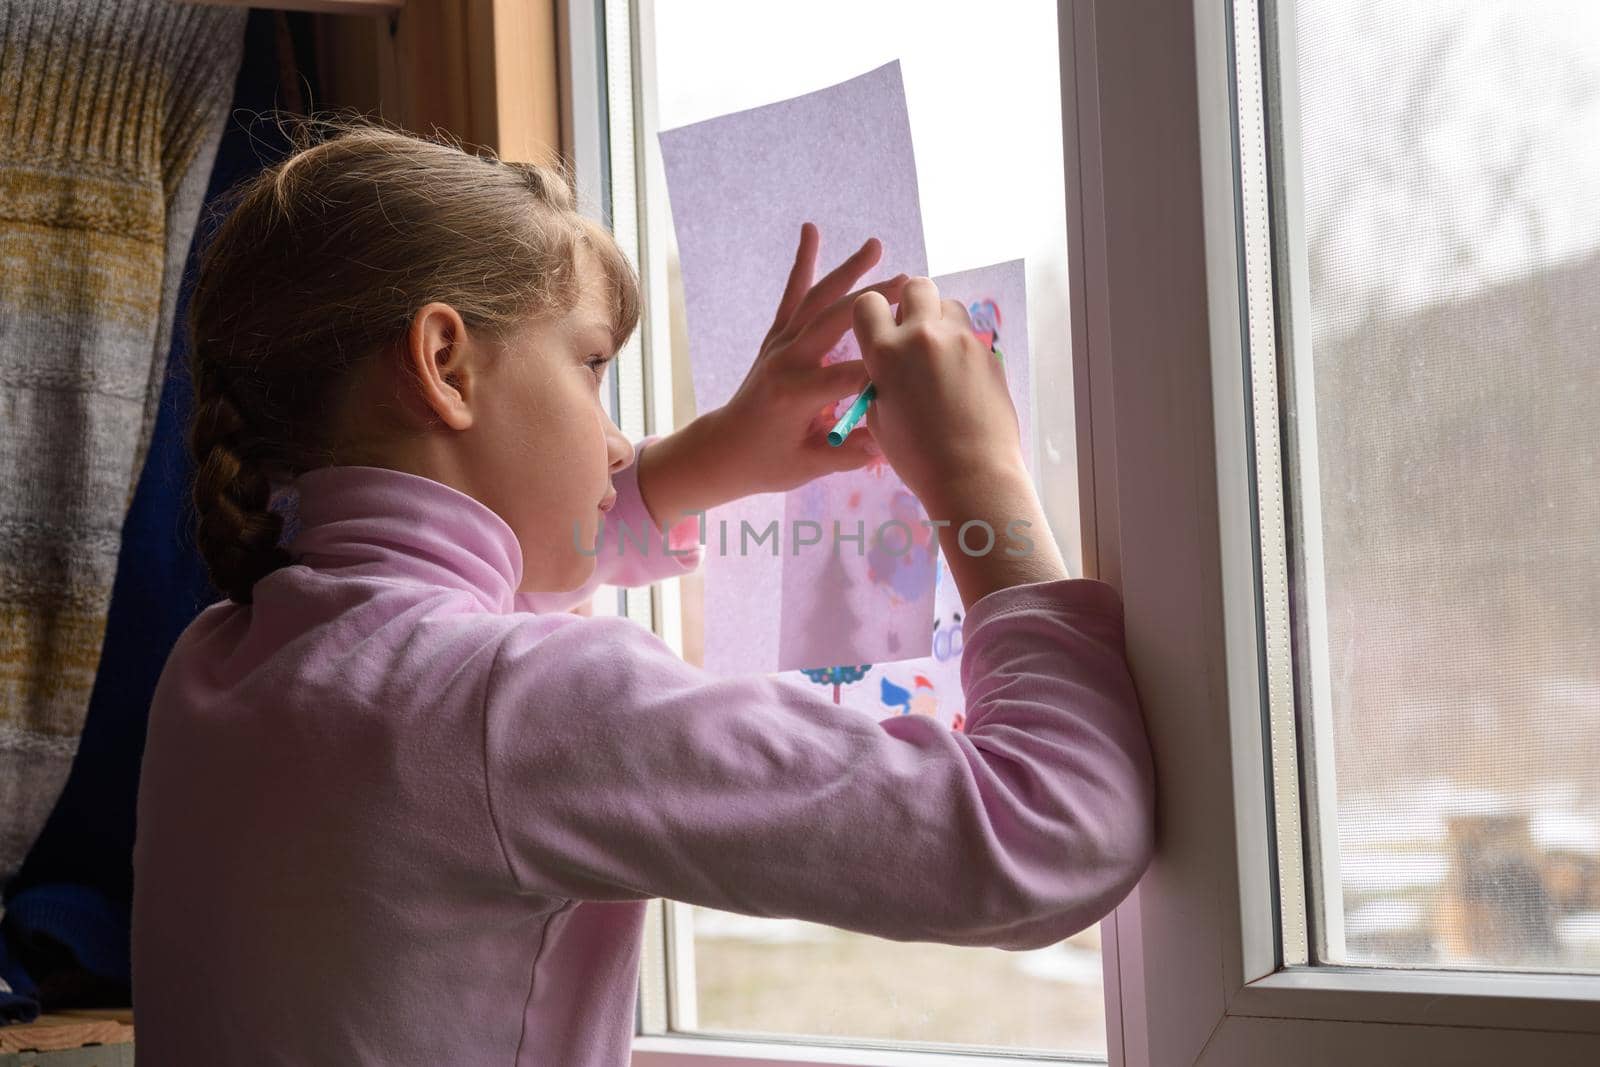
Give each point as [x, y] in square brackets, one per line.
[955, 309]
[919, 300]
[858, 450]
[836, 380]
[800, 275]
[839, 280]
[872, 319]
[824, 331]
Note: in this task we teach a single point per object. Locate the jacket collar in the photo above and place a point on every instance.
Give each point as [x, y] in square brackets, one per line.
[373, 522]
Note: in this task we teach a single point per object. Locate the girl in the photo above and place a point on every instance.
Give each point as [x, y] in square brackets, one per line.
[398, 807]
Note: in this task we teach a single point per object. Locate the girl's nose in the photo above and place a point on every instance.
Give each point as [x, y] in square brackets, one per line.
[619, 450]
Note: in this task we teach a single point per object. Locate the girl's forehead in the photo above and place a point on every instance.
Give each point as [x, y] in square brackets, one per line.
[585, 323]
[594, 310]
[582, 323]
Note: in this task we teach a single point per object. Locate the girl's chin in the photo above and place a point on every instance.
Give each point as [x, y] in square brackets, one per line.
[579, 572]
[581, 564]
[583, 533]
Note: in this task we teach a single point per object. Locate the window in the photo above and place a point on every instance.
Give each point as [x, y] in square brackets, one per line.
[990, 183]
[1356, 607]
[1442, 475]
[1329, 297]
[991, 191]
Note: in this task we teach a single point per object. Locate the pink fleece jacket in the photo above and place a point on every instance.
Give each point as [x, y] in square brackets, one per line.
[391, 815]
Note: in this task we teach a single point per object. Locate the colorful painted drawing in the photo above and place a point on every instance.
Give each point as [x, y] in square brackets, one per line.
[836, 676]
[985, 315]
[946, 635]
[900, 557]
[908, 684]
[921, 699]
[848, 166]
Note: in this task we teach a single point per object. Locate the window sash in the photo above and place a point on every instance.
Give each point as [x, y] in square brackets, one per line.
[606, 119]
[1161, 361]
[607, 63]
[1195, 970]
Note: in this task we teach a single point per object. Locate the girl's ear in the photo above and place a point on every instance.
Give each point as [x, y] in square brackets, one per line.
[439, 357]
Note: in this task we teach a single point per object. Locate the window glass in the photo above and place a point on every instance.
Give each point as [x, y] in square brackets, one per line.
[983, 94]
[1448, 475]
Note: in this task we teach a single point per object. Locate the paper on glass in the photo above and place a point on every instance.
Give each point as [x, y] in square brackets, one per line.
[930, 684]
[877, 621]
[739, 187]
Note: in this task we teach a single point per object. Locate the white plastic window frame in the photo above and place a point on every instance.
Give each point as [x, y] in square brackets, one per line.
[1203, 964]
[597, 132]
[606, 61]
[605, 118]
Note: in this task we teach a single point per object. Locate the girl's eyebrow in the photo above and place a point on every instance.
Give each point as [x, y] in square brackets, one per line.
[599, 334]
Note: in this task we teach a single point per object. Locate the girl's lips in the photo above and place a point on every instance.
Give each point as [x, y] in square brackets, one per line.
[609, 502]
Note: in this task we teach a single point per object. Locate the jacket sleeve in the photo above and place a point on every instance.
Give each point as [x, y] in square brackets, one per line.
[631, 549]
[616, 771]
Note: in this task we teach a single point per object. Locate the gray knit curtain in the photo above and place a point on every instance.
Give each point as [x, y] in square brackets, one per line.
[110, 116]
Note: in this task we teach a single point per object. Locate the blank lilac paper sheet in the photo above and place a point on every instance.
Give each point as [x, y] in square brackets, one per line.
[740, 186]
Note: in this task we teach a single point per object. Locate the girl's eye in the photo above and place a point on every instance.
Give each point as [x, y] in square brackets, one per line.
[598, 365]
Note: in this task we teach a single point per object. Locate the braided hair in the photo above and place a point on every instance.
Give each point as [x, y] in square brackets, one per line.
[319, 263]
[237, 530]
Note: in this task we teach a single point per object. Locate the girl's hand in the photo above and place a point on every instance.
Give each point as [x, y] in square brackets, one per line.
[777, 422]
[772, 435]
[943, 414]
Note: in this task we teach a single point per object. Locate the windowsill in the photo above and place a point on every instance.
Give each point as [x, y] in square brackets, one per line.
[1519, 1001]
[720, 1052]
[58, 1031]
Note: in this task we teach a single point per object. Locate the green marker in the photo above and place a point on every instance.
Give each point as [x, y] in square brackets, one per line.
[858, 410]
[848, 420]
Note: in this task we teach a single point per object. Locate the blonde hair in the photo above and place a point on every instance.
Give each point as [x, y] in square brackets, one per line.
[321, 261]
